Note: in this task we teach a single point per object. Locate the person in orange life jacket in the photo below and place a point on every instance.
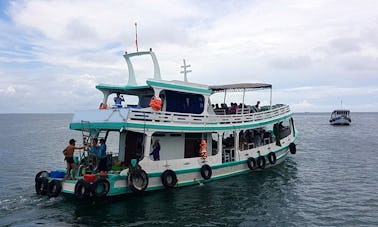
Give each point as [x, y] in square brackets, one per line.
[68, 156]
[203, 149]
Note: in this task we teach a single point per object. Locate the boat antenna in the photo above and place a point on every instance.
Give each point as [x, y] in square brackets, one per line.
[185, 71]
[136, 36]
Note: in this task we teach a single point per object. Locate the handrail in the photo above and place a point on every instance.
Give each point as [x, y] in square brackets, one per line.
[169, 117]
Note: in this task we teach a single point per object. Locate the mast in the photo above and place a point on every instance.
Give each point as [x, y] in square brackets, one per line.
[136, 36]
[185, 71]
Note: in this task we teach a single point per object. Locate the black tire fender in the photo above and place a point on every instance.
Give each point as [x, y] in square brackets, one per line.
[54, 188]
[261, 162]
[251, 162]
[206, 172]
[293, 148]
[83, 189]
[42, 174]
[169, 178]
[137, 180]
[101, 187]
[272, 158]
[41, 184]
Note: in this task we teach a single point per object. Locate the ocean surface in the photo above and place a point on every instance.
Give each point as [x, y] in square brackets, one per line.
[331, 181]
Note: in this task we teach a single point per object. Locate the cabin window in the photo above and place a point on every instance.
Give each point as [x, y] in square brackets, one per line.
[145, 101]
[182, 145]
[282, 129]
[214, 144]
[184, 102]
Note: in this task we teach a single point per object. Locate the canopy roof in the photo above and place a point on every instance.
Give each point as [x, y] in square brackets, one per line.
[128, 90]
[239, 87]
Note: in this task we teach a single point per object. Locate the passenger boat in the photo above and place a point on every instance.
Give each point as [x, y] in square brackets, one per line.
[340, 117]
[198, 143]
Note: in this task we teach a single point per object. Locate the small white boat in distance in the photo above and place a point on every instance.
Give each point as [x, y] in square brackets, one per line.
[340, 117]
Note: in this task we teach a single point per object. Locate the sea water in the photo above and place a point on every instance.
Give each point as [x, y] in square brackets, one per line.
[331, 181]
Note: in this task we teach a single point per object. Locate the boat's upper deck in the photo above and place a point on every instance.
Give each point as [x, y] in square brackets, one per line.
[115, 119]
[182, 104]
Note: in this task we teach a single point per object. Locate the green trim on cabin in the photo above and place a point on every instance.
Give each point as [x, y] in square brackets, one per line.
[178, 87]
[126, 125]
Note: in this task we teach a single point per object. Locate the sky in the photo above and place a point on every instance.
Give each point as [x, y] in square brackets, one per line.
[317, 54]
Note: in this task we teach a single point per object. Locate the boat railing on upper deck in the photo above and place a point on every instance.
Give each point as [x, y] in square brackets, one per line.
[169, 117]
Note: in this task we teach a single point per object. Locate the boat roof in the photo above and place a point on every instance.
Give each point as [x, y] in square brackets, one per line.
[179, 85]
[144, 89]
[341, 110]
[128, 90]
[239, 87]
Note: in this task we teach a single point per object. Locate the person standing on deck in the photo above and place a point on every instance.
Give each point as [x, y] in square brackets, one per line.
[118, 100]
[68, 156]
[156, 150]
[257, 106]
[102, 165]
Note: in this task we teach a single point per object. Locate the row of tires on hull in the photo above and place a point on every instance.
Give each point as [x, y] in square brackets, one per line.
[83, 189]
[138, 178]
[260, 161]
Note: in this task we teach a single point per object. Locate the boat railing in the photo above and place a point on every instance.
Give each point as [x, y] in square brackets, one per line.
[169, 117]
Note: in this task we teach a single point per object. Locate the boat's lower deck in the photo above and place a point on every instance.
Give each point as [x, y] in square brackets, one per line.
[136, 179]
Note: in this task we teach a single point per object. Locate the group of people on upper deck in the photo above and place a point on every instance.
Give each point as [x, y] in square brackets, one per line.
[234, 107]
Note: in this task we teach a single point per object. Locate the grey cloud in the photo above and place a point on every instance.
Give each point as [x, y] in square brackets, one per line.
[345, 45]
[360, 63]
[298, 62]
[76, 30]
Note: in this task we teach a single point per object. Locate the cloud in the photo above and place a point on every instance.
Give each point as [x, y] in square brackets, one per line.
[66, 47]
[8, 91]
[291, 62]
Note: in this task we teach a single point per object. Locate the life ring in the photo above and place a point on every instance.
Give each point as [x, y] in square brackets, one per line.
[83, 189]
[101, 187]
[41, 184]
[41, 174]
[206, 172]
[54, 188]
[293, 148]
[251, 162]
[155, 103]
[137, 180]
[272, 158]
[169, 178]
[261, 162]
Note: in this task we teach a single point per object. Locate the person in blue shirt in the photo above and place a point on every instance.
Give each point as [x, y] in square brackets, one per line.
[94, 148]
[102, 165]
[118, 100]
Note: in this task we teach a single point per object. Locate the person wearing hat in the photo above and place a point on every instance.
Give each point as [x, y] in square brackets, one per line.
[68, 156]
